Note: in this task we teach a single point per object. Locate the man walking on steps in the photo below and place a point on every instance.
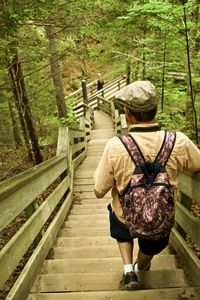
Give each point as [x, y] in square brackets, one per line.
[116, 168]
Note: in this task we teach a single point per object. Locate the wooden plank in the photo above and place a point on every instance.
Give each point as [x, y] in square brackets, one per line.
[90, 211]
[83, 206]
[190, 261]
[78, 147]
[9, 186]
[188, 222]
[88, 252]
[85, 252]
[102, 265]
[164, 294]
[84, 181]
[84, 188]
[63, 141]
[100, 232]
[83, 242]
[78, 159]
[26, 279]
[106, 281]
[33, 186]
[87, 223]
[90, 195]
[14, 250]
[76, 133]
[189, 184]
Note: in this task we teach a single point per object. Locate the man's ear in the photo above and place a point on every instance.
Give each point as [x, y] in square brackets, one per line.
[126, 110]
[127, 113]
[129, 117]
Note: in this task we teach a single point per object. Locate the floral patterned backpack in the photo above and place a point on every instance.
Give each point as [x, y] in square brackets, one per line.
[148, 200]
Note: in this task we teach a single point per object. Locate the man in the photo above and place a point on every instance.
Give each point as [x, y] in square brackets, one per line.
[115, 168]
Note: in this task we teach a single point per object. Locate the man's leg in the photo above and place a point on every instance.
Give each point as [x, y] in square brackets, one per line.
[126, 250]
[129, 280]
[143, 260]
[147, 249]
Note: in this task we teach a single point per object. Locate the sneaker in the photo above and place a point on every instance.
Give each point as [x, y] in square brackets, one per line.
[136, 269]
[129, 282]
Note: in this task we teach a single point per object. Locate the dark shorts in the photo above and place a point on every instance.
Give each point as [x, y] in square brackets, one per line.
[119, 232]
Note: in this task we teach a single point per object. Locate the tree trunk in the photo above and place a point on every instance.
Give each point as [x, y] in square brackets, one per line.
[56, 73]
[190, 75]
[16, 135]
[195, 19]
[144, 54]
[19, 110]
[26, 109]
[128, 71]
[163, 73]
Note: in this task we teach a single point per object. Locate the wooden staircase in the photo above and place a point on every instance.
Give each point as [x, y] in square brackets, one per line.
[85, 263]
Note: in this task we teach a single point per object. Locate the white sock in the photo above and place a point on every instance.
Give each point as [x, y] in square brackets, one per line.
[128, 268]
[136, 269]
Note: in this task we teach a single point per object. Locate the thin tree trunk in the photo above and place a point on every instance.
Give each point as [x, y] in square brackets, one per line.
[56, 73]
[16, 135]
[190, 75]
[19, 110]
[144, 54]
[26, 109]
[163, 73]
[195, 18]
[128, 71]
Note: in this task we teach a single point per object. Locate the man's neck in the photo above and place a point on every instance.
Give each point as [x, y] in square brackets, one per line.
[143, 122]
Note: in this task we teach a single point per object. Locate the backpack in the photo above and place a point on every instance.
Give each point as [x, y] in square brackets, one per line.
[148, 200]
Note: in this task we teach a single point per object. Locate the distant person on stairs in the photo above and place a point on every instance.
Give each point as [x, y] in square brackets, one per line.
[116, 168]
[100, 84]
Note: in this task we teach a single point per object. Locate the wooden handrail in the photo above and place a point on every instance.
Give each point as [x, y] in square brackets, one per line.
[24, 189]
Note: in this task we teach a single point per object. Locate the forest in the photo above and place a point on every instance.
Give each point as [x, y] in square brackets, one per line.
[49, 46]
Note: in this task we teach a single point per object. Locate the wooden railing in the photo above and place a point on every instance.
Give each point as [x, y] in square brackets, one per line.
[186, 233]
[80, 104]
[20, 197]
[52, 181]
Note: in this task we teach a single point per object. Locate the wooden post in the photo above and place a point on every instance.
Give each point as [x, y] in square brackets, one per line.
[84, 93]
[128, 72]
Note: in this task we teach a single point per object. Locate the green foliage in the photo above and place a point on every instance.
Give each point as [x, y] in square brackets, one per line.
[172, 121]
[71, 118]
[98, 36]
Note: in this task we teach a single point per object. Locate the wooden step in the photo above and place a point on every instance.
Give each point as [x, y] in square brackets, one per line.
[103, 222]
[84, 188]
[83, 242]
[187, 293]
[87, 232]
[88, 252]
[89, 211]
[90, 195]
[82, 181]
[92, 201]
[101, 265]
[106, 281]
[92, 242]
[82, 217]
[84, 206]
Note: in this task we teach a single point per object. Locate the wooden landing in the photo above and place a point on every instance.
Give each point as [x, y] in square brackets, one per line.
[85, 263]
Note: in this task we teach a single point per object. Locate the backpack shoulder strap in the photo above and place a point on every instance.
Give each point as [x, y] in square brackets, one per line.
[133, 149]
[166, 148]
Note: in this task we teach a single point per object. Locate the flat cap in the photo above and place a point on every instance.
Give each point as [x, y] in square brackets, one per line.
[139, 96]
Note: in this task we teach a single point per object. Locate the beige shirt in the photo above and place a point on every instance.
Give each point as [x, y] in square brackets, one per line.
[116, 167]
